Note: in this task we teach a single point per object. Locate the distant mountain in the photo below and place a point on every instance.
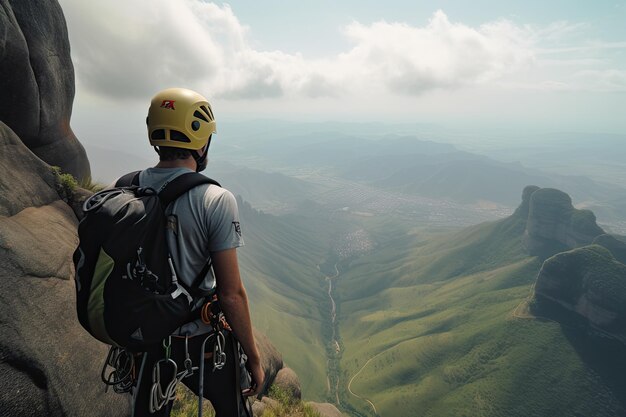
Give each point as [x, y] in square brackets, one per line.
[326, 150]
[439, 327]
[595, 155]
[466, 177]
[268, 191]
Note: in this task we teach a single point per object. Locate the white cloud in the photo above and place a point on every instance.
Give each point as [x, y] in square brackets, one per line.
[411, 60]
[131, 49]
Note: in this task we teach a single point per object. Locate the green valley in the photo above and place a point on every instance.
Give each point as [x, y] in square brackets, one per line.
[400, 301]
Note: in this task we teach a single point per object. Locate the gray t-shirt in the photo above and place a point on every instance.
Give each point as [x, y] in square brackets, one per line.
[206, 219]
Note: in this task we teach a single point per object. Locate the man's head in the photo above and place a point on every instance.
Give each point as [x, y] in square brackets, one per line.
[180, 124]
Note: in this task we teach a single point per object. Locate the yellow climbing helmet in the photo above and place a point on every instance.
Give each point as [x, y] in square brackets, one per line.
[180, 118]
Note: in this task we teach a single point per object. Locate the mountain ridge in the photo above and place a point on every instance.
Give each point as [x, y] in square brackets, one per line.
[454, 337]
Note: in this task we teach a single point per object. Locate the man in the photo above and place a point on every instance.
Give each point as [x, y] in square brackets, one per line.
[203, 230]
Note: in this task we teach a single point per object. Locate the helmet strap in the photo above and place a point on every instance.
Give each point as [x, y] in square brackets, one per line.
[201, 161]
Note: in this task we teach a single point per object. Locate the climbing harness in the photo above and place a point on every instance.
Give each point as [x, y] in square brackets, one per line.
[209, 314]
[119, 370]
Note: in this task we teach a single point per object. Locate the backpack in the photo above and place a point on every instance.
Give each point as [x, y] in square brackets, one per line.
[127, 291]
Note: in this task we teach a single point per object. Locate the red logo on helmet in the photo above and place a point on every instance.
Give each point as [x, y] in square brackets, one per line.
[168, 104]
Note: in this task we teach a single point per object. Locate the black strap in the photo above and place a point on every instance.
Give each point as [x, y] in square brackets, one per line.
[132, 178]
[181, 184]
[174, 189]
[200, 277]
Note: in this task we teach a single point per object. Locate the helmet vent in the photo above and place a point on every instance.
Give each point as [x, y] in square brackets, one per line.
[200, 116]
[208, 112]
[158, 134]
[179, 136]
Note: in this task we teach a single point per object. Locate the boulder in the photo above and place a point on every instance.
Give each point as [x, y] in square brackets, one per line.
[287, 380]
[258, 408]
[325, 409]
[37, 87]
[270, 402]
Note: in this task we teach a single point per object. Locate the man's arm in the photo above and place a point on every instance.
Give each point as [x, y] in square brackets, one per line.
[234, 303]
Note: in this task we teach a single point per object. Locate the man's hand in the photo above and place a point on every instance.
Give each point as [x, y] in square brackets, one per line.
[258, 378]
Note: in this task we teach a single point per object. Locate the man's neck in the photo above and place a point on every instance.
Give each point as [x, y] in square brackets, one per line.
[178, 163]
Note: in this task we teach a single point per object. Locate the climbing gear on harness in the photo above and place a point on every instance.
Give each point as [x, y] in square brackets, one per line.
[121, 375]
[211, 313]
[158, 396]
[219, 356]
[128, 295]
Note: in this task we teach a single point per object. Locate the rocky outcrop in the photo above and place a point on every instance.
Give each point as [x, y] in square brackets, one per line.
[522, 210]
[48, 364]
[588, 281]
[287, 380]
[616, 247]
[553, 224]
[26, 181]
[37, 87]
[325, 409]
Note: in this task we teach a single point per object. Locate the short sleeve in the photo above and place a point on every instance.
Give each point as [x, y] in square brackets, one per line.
[224, 229]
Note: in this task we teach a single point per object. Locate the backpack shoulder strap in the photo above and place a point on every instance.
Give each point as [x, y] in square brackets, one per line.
[181, 184]
[132, 178]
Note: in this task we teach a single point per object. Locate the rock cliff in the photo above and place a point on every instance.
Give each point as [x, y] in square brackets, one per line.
[48, 364]
[616, 247]
[553, 224]
[583, 270]
[590, 282]
[38, 82]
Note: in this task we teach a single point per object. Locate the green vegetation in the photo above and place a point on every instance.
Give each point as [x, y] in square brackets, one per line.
[186, 404]
[591, 270]
[435, 334]
[286, 290]
[287, 406]
[428, 325]
[66, 184]
[89, 184]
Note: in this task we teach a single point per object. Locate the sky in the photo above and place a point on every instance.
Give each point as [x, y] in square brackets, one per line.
[553, 66]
